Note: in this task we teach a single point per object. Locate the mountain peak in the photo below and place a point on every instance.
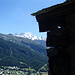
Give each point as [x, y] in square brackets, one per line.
[29, 35]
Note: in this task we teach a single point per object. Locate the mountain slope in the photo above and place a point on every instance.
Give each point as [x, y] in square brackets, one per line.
[12, 54]
[40, 40]
[17, 50]
[25, 42]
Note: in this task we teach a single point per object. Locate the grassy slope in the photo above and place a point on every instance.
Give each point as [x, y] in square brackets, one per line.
[13, 53]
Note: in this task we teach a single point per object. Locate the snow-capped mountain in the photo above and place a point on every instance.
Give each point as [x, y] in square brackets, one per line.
[29, 36]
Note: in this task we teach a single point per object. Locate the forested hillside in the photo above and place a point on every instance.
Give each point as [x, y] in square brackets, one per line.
[17, 51]
[25, 42]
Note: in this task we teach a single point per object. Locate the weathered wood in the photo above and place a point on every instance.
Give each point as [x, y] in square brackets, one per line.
[58, 38]
[59, 64]
[62, 55]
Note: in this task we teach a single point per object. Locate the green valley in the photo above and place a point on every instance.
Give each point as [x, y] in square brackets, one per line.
[21, 52]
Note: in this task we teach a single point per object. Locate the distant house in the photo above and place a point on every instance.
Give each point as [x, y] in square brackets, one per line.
[59, 23]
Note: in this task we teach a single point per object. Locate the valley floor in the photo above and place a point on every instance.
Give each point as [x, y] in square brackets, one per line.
[10, 72]
[4, 71]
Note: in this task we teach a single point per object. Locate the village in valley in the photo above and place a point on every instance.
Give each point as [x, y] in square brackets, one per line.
[8, 70]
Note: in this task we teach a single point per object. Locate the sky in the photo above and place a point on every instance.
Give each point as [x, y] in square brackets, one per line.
[15, 15]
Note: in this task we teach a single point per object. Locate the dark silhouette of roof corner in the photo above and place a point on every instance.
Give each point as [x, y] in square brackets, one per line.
[67, 2]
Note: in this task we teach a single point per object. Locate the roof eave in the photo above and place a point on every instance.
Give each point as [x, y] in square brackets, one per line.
[51, 8]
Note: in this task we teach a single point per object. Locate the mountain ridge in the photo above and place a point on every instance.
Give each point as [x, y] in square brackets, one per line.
[26, 48]
[24, 42]
[29, 35]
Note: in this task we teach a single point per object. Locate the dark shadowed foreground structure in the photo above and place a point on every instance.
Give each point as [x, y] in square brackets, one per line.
[59, 23]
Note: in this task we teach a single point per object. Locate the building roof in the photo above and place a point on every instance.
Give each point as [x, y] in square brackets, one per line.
[52, 8]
